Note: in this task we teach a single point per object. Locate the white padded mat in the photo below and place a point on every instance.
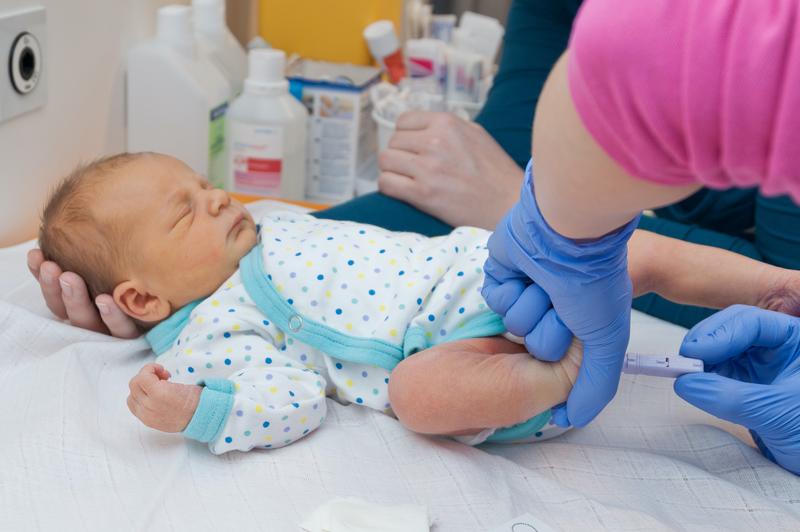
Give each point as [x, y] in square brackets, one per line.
[73, 458]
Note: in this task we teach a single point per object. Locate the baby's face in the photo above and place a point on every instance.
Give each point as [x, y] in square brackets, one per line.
[186, 237]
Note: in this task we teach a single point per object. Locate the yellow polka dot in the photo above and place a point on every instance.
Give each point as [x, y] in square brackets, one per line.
[349, 383]
[214, 303]
[473, 231]
[267, 439]
[266, 229]
[303, 420]
[349, 326]
[229, 285]
[428, 335]
[309, 264]
[410, 284]
[327, 293]
[259, 409]
[236, 327]
[393, 332]
[237, 386]
[463, 291]
[460, 325]
[371, 241]
[393, 262]
[382, 308]
[229, 350]
[322, 393]
[199, 320]
[340, 248]
[440, 270]
[279, 337]
[188, 351]
[273, 389]
[309, 365]
[279, 288]
[360, 275]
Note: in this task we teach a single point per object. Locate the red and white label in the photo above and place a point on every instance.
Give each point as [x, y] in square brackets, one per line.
[257, 158]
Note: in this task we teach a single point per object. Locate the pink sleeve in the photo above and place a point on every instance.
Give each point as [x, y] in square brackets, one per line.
[683, 91]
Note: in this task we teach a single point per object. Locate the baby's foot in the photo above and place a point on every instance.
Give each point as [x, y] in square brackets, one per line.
[566, 369]
[781, 290]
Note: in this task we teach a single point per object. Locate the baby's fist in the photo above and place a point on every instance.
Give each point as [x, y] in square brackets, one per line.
[160, 404]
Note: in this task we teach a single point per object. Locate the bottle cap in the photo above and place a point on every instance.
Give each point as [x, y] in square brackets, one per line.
[174, 27]
[209, 15]
[381, 39]
[266, 69]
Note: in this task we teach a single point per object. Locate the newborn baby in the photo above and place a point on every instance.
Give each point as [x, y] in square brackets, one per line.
[255, 324]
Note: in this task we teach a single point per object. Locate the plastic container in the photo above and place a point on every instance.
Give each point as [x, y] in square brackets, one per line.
[217, 41]
[385, 130]
[177, 98]
[385, 48]
[267, 131]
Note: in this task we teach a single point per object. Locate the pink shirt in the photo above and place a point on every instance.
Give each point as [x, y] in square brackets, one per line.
[683, 91]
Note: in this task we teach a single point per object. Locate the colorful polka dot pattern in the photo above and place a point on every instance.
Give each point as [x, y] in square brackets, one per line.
[361, 280]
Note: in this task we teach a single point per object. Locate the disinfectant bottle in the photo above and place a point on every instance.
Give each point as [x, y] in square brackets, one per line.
[267, 132]
[216, 41]
[177, 98]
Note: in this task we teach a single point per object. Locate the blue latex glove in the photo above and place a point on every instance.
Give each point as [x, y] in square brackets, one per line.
[752, 376]
[590, 291]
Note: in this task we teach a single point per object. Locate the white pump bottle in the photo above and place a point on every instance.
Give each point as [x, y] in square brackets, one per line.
[177, 98]
[217, 41]
[267, 131]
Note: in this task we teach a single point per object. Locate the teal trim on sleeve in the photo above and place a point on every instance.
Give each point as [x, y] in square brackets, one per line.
[481, 326]
[522, 431]
[165, 333]
[212, 411]
[328, 340]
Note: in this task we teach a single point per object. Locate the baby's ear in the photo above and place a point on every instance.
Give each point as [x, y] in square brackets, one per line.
[140, 305]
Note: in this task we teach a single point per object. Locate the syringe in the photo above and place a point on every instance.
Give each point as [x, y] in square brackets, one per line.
[671, 366]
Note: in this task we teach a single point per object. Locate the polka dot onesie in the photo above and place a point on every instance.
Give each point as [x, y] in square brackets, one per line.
[320, 308]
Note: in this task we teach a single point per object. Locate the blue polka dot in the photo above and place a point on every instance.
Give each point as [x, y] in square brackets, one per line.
[364, 374]
[386, 380]
[298, 254]
[320, 277]
[359, 400]
[231, 310]
[338, 311]
[338, 365]
[265, 424]
[228, 439]
[401, 272]
[419, 301]
[227, 335]
[382, 251]
[371, 292]
[265, 322]
[460, 274]
[431, 317]
[429, 259]
[190, 369]
[361, 232]
[239, 413]
[538, 434]
[461, 310]
[296, 405]
[247, 348]
[227, 361]
[291, 393]
[290, 301]
[350, 262]
[268, 360]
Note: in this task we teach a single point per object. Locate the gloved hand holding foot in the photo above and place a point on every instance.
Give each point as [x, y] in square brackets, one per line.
[590, 291]
[752, 376]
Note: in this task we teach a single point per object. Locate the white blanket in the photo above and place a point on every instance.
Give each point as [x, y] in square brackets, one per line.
[73, 458]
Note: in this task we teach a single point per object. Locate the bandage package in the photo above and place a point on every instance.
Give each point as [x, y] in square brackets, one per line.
[342, 152]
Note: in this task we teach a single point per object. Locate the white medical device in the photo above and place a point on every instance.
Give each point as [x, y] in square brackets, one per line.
[670, 366]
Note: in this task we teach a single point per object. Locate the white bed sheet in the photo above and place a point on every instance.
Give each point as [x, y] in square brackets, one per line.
[73, 458]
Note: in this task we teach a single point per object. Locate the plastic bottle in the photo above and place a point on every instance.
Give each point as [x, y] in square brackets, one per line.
[177, 98]
[216, 40]
[267, 131]
[385, 48]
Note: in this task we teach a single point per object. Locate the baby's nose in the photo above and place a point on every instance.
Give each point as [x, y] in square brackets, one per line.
[219, 199]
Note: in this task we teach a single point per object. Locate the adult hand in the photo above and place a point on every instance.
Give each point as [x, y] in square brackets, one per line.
[752, 376]
[449, 168]
[160, 404]
[590, 291]
[67, 297]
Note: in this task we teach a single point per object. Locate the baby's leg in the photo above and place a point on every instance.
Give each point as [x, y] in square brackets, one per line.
[466, 386]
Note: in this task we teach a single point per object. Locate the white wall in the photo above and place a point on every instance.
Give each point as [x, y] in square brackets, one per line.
[84, 115]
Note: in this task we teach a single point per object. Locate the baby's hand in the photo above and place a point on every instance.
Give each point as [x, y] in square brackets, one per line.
[160, 404]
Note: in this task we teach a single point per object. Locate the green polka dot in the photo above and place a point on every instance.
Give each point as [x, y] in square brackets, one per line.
[375, 391]
[247, 433]
[209, 365]
[247, 358]
[209, 336]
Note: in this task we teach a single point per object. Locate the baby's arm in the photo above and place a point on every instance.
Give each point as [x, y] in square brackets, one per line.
[261, 400]
[466, 386]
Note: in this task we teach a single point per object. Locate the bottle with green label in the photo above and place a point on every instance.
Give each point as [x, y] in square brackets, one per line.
[177, 98]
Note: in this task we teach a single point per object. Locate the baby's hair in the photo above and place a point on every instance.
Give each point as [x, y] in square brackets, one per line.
[72, 235]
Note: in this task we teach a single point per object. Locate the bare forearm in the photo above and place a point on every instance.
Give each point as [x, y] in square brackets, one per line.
[580, 190]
